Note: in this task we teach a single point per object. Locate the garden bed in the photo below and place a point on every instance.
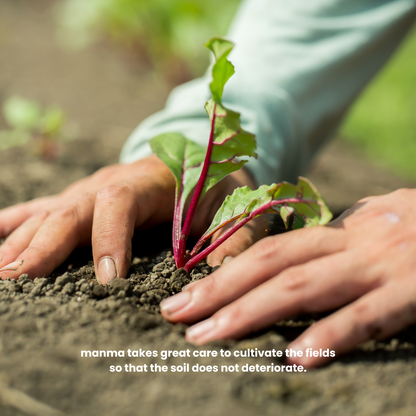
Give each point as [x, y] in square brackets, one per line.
[45, 324]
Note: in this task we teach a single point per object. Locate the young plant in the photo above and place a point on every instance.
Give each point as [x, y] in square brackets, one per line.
[197, 169]
[30, 122]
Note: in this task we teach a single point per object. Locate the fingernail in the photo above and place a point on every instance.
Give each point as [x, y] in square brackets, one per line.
[174, 303]
[106, 270]
[296, 347]
[198, 331]
[12, 266]
[226, 260]
[300, 346]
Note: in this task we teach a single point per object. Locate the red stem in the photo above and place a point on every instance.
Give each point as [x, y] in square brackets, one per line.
[177, 218]
[180, 260]
[201, 242]
[204, 253]
[176, 229]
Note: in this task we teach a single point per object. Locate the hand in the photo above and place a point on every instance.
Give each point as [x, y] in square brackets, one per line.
[364, 263]
[104, 208]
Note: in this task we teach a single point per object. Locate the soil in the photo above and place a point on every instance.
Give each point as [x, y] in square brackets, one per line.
[46, 323]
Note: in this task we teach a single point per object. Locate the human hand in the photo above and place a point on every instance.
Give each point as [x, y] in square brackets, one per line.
[363, 262]
[104, 208]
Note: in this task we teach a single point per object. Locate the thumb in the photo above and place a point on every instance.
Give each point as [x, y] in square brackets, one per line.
[241, 240]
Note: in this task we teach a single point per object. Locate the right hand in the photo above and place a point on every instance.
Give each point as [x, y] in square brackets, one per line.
[105, 209]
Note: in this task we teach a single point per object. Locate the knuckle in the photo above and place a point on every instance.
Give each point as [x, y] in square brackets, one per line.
[69, 213]
[208, 289]
[104, 233]
[326, 329]
[293, 279]
[114, 191]
[364, 322]
[105, 172]
[233, 314]
[403, 192]
[359, 310]
[266, 248]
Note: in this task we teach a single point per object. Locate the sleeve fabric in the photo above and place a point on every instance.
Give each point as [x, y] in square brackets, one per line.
[299, 66]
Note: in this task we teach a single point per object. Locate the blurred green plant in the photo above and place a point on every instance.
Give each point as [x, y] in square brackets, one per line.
[30, 122]
[383, 121]
[167, 33]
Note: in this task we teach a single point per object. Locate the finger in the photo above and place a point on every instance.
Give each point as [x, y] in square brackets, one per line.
[319, 285]
[13, 217]
[19, 239]
[377, 315]
[58, 235]
[240, 241]
[118, 210]
[115, 214]
[266, 259]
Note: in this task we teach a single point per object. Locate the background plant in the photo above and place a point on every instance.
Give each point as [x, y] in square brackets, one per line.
[167, 33]
[30, 122]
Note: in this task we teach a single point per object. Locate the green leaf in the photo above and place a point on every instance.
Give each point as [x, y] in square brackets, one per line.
[302, 200]
[286, 212]
[222, 69]
[191, 165]
[21, 114]
[52, 121]
[184, 159]
[230, 141]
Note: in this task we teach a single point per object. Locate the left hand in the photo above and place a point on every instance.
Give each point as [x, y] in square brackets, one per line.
[105, 209]
[363, 263]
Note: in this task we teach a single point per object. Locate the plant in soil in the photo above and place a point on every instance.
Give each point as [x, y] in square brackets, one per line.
[31, 123]
[197, 169]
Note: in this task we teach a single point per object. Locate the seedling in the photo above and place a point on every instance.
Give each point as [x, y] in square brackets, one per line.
[197, 169]
[31, 123]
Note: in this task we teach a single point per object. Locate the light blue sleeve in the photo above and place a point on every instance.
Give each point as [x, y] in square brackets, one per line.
[299, 65]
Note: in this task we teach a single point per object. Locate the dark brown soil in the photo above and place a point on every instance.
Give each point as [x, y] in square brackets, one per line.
[45, 324]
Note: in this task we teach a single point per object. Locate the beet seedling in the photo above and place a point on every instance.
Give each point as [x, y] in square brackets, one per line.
[198, 169]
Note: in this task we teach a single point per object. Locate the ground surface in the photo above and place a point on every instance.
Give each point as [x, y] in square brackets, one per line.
[44, 325]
